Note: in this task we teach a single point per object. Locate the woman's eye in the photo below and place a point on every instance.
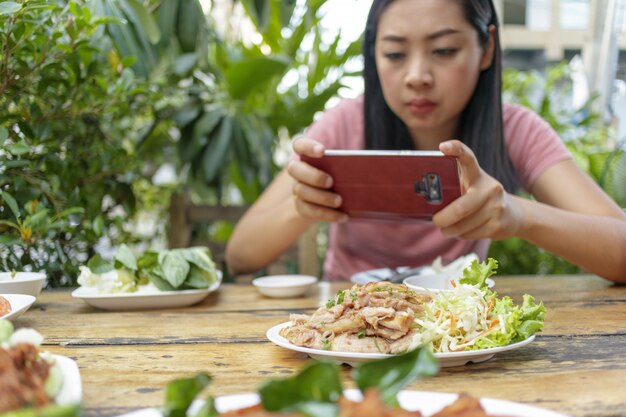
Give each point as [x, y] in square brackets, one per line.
[445, 51]
[393, 56]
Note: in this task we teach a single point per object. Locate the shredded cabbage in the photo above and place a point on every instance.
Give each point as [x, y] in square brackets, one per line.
[472, 317]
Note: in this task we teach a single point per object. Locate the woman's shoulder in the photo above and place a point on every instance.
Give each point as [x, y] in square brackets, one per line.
[522, 122]
[533, 145]
[341, 125]
[351, 106]
[518, 113]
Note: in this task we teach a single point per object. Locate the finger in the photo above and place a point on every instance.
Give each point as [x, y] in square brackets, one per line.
[316, 196]
[481, 231]
[307, 174]
[319, 213]
[308, 147]
[468, 224]
[468, 163]
[460, 209]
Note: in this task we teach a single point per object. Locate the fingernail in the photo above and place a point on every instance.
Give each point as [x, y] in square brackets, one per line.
[319, 149]
[329, 182]
[445, 147]
[344, 218]
[337, 201]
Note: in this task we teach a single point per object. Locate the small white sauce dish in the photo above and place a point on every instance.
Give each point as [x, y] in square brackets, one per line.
[29, 283]
[435, 282]
[284, 286]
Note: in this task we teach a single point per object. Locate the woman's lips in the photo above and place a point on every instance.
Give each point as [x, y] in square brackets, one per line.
[421, 107]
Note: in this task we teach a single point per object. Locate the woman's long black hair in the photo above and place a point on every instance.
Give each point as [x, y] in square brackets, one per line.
[481, 124]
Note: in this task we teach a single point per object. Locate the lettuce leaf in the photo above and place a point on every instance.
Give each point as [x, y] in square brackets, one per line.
[477, 273]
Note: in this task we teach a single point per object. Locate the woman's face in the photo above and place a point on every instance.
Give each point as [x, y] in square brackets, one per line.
[428, 59]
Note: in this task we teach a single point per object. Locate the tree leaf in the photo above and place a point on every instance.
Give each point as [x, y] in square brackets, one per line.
[215, 154]
[8, 198]
[250, 74]
[36, 218]
[166, 19]
[4, 134]
[189, 25]
[18, 149]
[9, 7]
[10, 224]
[9, 240]
[142, 18]
[184, 63]
[258, 11]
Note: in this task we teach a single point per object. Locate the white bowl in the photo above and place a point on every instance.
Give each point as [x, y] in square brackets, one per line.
[29, 283]
[435, 282]
[284, 286]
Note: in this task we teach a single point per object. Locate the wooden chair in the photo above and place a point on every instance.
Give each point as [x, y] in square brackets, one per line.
[302, 257]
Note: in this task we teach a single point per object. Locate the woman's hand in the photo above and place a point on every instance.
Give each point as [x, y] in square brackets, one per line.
[313, 199]
[485, 210]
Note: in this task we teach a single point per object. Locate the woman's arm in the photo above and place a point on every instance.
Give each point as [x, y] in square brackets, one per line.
[296, 198]
[572, 216]
[267, 229]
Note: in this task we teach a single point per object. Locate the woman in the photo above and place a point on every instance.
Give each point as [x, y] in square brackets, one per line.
[432, 72]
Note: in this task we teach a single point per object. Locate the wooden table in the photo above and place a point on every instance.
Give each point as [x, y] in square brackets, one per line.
[576, 366]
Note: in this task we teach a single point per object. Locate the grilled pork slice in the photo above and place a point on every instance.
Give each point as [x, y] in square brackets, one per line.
[377, 318]
[352, 343]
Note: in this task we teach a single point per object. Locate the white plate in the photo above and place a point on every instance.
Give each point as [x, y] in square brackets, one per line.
[19, 304]
[284, 286]
[141, 301]
[71, 391]
[29, 283]
[435, 282]
[352, 358]
[381, 274]
[428, 403]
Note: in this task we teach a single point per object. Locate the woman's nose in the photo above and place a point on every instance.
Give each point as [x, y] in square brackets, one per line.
[419, 74]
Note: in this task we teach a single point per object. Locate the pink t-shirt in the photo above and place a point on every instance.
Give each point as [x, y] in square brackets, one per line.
[359, 245]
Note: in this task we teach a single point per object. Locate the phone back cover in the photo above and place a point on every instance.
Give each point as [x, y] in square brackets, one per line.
[383, 187]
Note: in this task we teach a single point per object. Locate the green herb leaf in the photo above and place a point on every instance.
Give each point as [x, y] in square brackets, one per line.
[174, 266]
[298, 393]
[161, 283]
[391, 374]
[208, 408]
[125, 257]
[181, 392]
[97, 265]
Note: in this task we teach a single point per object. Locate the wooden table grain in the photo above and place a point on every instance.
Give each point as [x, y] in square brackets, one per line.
[576, 366]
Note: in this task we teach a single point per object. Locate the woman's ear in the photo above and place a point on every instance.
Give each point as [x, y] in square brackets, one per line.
[488, 53]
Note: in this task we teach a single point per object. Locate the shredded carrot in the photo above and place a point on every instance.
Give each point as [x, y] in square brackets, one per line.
[494, 323]
[453, 283]
[452, 322]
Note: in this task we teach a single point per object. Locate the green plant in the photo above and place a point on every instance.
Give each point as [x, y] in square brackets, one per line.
[240, 105]
[77, 133]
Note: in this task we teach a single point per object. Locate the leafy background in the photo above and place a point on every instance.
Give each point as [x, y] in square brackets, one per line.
[98, 98]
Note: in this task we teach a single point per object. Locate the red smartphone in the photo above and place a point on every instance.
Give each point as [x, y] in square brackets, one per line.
[391, 184]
